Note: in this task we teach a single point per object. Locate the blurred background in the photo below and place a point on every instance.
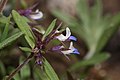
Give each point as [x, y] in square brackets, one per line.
[106, 70]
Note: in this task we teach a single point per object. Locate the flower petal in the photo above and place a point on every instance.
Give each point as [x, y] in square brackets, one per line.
[61, 37]
[71, 50]
[75, 51]
[73, 38]
[68, 33]
[37, 15]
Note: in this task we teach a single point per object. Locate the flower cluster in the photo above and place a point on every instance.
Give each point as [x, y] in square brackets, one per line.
[55, 34]
[63, 38]
[61, 48]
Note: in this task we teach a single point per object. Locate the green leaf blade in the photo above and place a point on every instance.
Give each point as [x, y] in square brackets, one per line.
[49, 70]
[113, 26]
[10, 39]
[2, 69]
[49, 30]
[3, 19]
[83, 12]
[24, 27]
[26, 49]
[98, 58]
[6, 29]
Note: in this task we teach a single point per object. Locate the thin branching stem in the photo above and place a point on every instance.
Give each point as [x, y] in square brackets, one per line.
[20, 66]
[2, 5]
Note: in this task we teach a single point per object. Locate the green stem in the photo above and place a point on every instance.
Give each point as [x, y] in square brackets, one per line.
[90, 53]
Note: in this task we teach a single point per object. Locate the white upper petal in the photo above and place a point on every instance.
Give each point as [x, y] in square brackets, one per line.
[36, 16]
[68, 33]
[68, 51]
[61, 37]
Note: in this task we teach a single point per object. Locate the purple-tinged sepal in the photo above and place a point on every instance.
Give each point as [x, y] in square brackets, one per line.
[35, 15]
[66, 51]
[71, 49]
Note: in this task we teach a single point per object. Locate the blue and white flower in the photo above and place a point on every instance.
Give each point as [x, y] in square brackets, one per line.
[68, 36]
[70, 50]
[65, 51]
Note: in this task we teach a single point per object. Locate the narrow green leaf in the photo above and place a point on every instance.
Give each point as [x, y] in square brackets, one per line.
[40, 74]
[96, 17]
[25, 28]
[98, 58]
[3, 19]
[16, 76]
[39, 29]
[112, 27]
[10, 39]
[72, 22]
[26, 49]
[83, 12]
[30, 41]
[6, 29]
[65, 17]
[49, 70]
[2, 69]
[97, 11]
[49, 30]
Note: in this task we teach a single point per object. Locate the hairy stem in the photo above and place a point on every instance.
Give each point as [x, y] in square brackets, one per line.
[2, 5]
[20, 66]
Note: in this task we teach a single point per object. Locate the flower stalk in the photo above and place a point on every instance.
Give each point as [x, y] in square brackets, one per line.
[2, 5]
[20, 66]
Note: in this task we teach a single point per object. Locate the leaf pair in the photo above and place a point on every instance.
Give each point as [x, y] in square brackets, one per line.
[4, 39]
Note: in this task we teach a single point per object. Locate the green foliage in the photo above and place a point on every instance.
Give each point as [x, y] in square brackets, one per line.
[49, 70]
[17, 77]
[2, 69]
[94, 28]
[90, 25]
[49, 30]
[97, 58]
[3, 19]
[39, 74]
[25, 49]
[6, 29]
[25, 28]
[25, 71]
[10, 39]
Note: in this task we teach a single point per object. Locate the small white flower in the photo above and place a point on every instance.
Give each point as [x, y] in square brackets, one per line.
[36, 15]
[61, 37]
[71, 49]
